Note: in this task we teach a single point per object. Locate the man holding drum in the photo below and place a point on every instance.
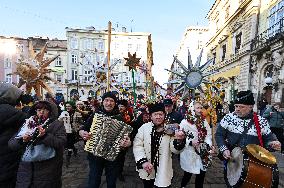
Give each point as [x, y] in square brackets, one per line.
[240, 130]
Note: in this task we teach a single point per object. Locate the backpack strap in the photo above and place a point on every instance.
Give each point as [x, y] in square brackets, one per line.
[258, 130]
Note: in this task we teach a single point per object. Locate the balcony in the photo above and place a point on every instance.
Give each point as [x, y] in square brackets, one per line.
[270, 36]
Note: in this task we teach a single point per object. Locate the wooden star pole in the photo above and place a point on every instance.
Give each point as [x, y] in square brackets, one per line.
[108, 56]
[132, 62]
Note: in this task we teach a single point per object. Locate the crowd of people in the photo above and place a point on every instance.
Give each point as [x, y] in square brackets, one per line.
[35, 135]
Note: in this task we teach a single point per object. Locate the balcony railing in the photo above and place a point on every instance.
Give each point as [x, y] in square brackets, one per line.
[268, 37]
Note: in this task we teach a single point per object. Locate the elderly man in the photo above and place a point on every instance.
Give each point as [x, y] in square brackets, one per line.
[98, 164]
[240, 127]
[152, 149]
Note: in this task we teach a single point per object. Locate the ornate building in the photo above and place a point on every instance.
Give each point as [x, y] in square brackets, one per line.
[267, 53]
[232, 26]
[87, 51]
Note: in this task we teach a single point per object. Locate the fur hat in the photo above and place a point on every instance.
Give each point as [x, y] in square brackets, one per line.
[156, 108]
[245, 97]
[109, 94]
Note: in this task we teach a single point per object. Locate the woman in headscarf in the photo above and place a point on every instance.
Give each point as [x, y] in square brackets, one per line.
[196, 156]
[43, 138]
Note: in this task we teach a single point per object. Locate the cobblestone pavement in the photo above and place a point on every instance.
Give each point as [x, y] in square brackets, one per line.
[76, 174]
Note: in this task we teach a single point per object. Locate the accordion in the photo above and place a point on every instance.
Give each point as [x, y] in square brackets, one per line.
[107, 133]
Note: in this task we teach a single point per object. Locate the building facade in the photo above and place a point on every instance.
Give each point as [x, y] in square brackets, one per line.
[193, 41]
[87, 51]
[267, 48]
[232, 26]
[12, 49]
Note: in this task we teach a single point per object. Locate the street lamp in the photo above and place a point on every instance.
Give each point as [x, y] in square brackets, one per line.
[268, 81]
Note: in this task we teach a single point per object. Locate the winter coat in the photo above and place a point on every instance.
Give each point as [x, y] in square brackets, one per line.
[47, 173]
[174, 117]
[275, 118]
[11, 120]
[142, 151]
[76, 121]
[190, 161]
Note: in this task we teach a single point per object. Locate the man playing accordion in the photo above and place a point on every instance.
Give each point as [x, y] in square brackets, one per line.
[98, 163]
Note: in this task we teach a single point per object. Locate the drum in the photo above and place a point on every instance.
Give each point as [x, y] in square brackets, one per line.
[251, 167]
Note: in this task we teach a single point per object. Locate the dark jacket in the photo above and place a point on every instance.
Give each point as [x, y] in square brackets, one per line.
[43, 173]
[274, 117]
[11, 120]
[174, 117]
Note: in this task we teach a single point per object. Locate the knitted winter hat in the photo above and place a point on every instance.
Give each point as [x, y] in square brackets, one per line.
[109, 94]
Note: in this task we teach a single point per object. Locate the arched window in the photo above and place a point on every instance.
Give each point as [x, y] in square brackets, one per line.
[268, 71]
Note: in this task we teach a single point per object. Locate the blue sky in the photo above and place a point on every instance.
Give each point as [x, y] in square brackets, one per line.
[165, 19]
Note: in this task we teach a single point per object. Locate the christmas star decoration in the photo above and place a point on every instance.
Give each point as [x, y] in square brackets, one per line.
[33, 71]
[192, 76]
[132, 62]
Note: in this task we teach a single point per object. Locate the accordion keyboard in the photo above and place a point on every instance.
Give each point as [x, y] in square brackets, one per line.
[107, 134]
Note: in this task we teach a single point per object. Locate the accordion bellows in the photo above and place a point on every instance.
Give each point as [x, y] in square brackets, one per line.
[107, 133]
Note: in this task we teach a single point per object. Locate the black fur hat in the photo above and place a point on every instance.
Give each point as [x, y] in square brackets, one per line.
[156, 107]
[245, 97]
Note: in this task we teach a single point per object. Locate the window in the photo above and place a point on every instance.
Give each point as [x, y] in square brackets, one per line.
[199, 44]
[74, 43]
[238, 42]
[87, 44]
[276, 13]
[101, 45]
[129, 47]
[138, 48]
[116, 46]
[217, 25]
[214, 57]
[74, 59]
[227, 12]
[88, 59]
[74, 74]
[58, 62]
[8, 78]
[8, 63]
[223, 52]
[87, 76]
[58, 78]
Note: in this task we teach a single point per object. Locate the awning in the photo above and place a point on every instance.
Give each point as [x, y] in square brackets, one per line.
[227, 74]
[58, 69]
